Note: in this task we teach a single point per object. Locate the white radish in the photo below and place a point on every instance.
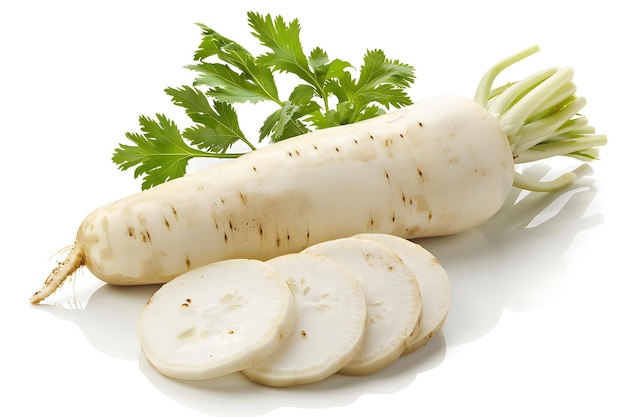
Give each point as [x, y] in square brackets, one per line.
[329, 330]
[216, 319]
[433, 282]
[439, 167]
[392, 296]
[405, 173]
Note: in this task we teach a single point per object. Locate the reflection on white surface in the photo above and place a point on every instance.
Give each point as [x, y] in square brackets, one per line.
[511, 262]
[235, 396]
[109, 318]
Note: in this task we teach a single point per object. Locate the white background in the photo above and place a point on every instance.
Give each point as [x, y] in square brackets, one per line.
[537, 318]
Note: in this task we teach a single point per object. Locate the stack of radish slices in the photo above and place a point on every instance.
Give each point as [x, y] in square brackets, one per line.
[351, 306]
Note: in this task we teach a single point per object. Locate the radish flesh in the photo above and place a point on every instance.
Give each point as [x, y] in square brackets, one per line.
[433, 282]
[216, 319]
[442, 166]
[330, 324]
[392, 295]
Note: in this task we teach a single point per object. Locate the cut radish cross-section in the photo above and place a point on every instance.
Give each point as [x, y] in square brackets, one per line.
[216, 319]
[392, 296]
[433, 281]
[329, 330]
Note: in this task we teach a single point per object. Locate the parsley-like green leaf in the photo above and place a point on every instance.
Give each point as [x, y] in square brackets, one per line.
[284, 42]
[240, 79]
[217, 127]
[230, 86]
[159, 154]
[380, 81]
[227, 74]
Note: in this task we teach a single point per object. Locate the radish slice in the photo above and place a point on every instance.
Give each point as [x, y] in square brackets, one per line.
[216, 319]
[433, 281]
[392, 296]
[329, 330]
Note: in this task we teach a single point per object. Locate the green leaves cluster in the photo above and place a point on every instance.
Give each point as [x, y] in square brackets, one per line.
[328, 93]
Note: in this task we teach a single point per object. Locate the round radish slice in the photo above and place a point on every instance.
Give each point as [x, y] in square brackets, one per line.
[433, 281]
[329, 330]
[392, 297]
[216, 319]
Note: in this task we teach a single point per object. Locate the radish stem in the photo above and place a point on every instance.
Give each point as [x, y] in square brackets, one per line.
[540, 116]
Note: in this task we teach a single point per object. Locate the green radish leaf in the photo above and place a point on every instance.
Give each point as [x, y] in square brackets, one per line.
[228, 75]
[232, 87]
[159, 153]
[217, 126]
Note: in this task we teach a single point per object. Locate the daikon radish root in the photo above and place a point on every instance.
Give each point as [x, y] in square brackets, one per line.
[392, 296]
[433, 282]
[440, 167]
[216, 319]
[306, 190]
[329, 329]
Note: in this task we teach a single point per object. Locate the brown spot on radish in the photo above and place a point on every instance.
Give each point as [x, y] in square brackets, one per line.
[393, 217]
[188, 262]
[388, 142]
[289, 153]
[167, 223]
[254, 169]
[356, 141]
[225, 238]
[174, 212]
[261, 230]
[336, 148]
[297, 152]
[243, 198]
[421, 204]
[230, 225]
[420, 124]
[387, 175]
[303, 333]
[371, 136]
[315, 146]
[277, 242]
[419, 172]
[131, 231]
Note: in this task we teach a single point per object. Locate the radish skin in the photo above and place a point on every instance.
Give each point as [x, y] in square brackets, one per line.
[439, 167]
